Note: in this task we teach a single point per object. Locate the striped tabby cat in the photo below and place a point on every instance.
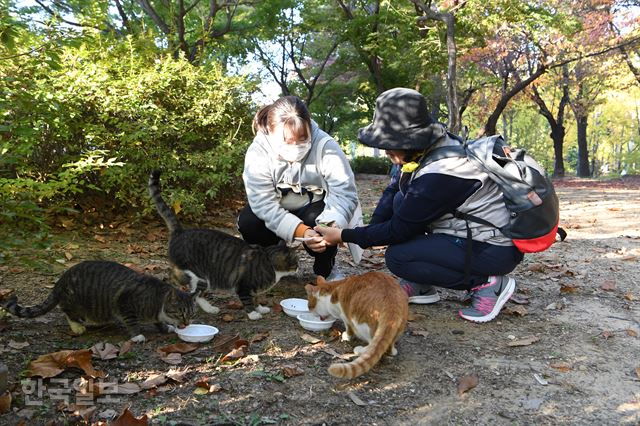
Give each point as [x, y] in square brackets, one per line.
[101, 292]
[208, 259]
[372, 306]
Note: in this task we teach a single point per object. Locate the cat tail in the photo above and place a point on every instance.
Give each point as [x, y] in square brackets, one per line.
[12, 306]
[382, 340]
[165, 211]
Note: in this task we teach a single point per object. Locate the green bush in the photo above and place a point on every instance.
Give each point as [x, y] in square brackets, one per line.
[372, 165]
[99, 116]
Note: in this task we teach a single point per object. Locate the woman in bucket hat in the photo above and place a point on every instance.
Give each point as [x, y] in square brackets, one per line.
[295, 176]
[427, 245]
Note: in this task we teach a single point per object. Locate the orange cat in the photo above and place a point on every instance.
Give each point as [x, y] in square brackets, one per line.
[372, 306]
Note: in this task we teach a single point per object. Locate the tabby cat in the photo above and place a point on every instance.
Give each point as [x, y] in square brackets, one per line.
[102, 292]
[372, 307]
[207, 259]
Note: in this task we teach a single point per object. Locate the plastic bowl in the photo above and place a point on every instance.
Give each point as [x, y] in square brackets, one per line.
[312, 322]
[197, 333]
[294, 307]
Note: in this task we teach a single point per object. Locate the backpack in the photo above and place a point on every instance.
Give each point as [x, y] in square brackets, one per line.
[528, 193]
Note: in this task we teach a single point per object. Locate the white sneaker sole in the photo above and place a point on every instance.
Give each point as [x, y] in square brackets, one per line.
[506, 294]
[424, 300]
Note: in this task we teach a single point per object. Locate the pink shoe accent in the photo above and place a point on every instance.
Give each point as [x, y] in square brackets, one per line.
[492, 281]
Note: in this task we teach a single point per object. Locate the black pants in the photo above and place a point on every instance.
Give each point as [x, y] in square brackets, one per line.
[254, 231]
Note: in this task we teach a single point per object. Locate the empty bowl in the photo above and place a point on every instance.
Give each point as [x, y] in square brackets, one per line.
[312, 322]
[294, 307]
[197, 333]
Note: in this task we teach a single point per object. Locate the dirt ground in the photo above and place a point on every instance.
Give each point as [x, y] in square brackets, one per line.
[565, 351]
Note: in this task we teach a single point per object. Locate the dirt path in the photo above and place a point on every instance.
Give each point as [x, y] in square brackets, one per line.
[566, 353]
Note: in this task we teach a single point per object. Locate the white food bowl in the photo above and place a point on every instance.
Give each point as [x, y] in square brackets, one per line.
[197, 333]
[312, 322]
[294, 307]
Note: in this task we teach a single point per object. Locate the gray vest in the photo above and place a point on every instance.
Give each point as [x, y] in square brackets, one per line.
[486, 203]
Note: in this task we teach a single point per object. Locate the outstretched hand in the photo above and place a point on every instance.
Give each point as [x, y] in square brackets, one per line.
[332, 235]
[316, 243]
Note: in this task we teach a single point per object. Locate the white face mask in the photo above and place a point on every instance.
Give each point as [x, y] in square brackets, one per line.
[293, 152]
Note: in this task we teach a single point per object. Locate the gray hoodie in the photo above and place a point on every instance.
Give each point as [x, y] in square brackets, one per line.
[275, 186]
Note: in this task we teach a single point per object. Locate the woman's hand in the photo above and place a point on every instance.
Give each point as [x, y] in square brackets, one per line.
[317, 243]
[332, 236]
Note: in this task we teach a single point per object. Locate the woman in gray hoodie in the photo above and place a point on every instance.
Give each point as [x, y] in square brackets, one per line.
[296, 177]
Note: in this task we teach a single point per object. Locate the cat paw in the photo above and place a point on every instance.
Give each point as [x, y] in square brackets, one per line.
[345, 336]
[207, 307]
[170, 328]
[253, 315]
[359, 349]
[138, 339]
[394, 351]
[263, 309]
[77, 328]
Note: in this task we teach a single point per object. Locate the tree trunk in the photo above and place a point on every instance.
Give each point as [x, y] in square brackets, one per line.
[557, 135]
[583, 150]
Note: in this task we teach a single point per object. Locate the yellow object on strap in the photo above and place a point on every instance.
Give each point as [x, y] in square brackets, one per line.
[409, 167]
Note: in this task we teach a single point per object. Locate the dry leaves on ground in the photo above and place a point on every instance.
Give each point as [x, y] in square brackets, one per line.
[52, 364]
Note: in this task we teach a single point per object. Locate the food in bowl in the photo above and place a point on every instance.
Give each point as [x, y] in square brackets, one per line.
[294, 307]
[313, 322]
[197, 333]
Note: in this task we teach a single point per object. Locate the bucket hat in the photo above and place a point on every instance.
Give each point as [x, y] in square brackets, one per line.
[401, 121]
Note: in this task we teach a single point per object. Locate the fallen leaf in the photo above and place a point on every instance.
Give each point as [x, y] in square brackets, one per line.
[335, 354]
[631, 333]
[638, 372]
[227, 318]
[225, 343]
[5, 292]
[154, 381]
[126, 347]
[173, 358]
[608, 285]
[568, 289]
[561, 366]
[606, 334]
[235, 354]
[415, 317]
[177, 375]
[629, 296]
[127, 418]
[16, 270]
[200, 391]
[118, 388]
[519, 299]
[68, 255]
[235, 304]
[181, 348]
[52, 364]
[17, 345]
[275, 307]
[104, 350]
[356, 400]
[100, 238]
[423, 333]
[629, 257]
[518, 310]
[535, 267]
[292, 371]
[310, 339]
[5, 403]
[258, 337]
[466, 383]
[525, 341]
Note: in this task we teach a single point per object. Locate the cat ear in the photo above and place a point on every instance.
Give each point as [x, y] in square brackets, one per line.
[309, 288]
[320, 280]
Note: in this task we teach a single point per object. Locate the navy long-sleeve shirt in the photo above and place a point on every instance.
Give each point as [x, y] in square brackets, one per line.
[426, 198]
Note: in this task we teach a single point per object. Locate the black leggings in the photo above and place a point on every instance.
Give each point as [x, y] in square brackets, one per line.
[254, 231]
